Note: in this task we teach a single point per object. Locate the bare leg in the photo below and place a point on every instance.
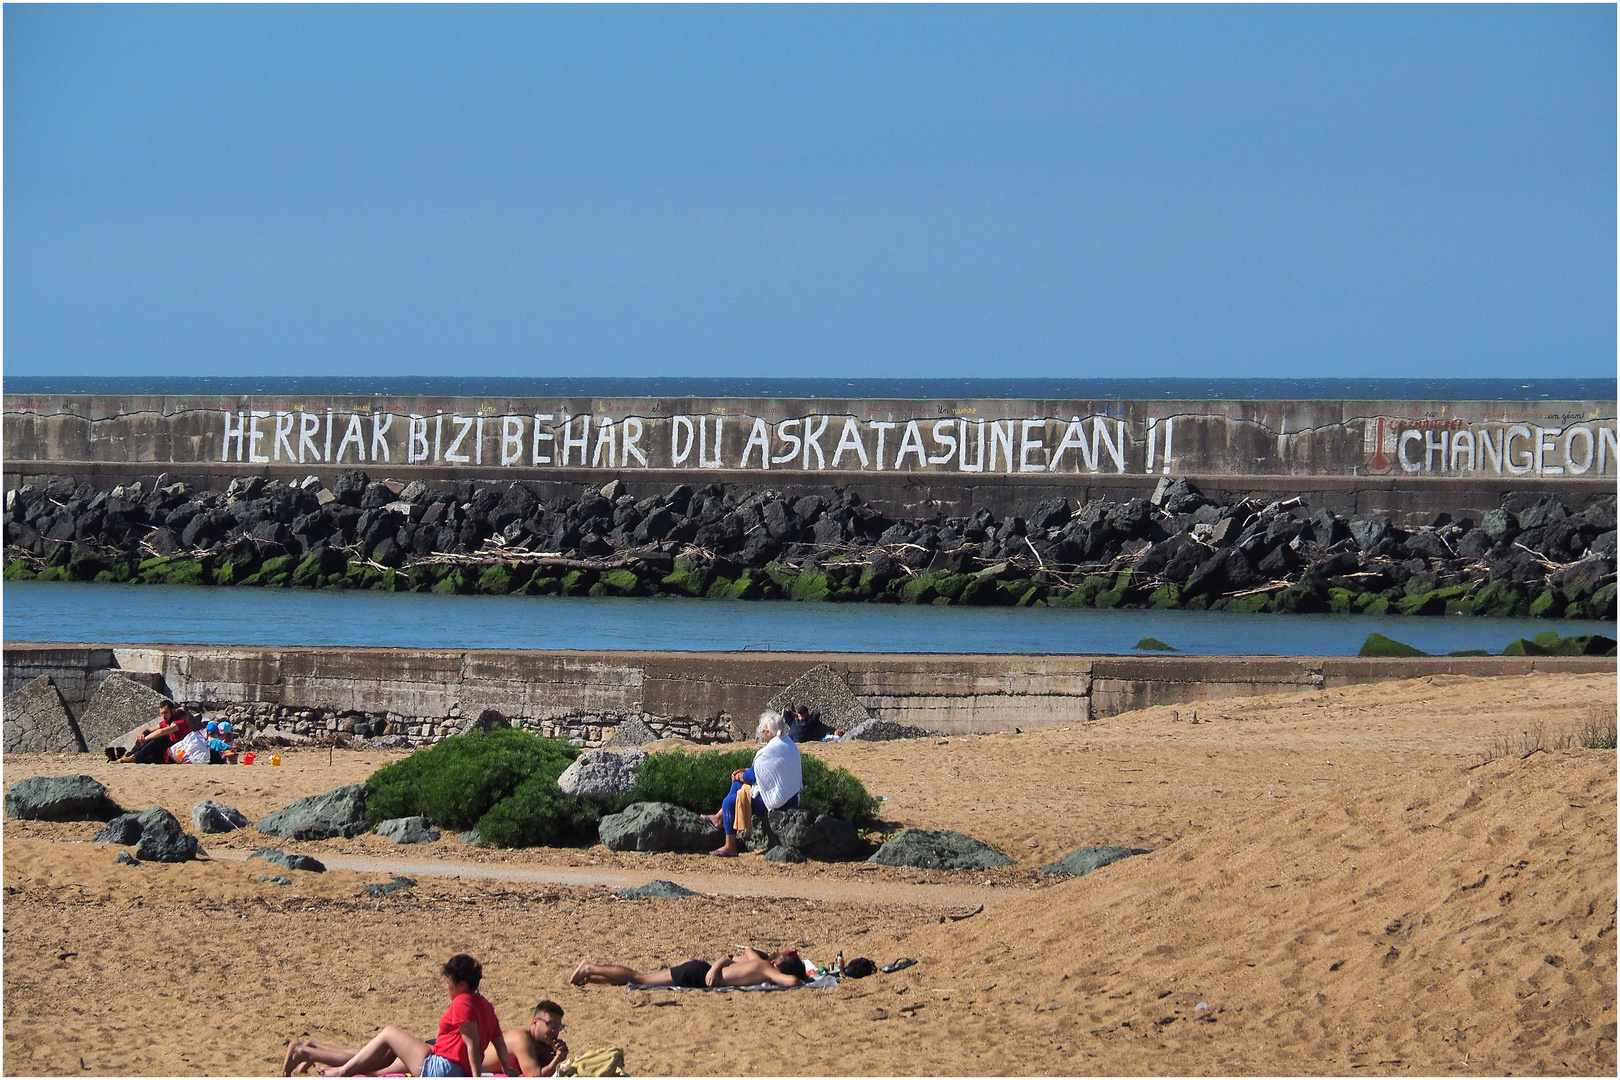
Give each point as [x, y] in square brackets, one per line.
[618, 975]
[312, 1052]
[391, 1042]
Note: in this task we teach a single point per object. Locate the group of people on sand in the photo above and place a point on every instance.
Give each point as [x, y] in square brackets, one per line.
[468, 1032]
[178, 737]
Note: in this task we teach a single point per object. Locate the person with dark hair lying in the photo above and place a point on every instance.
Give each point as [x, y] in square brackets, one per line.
[751, 968]
[538, 1048]
[464, 1029]
[152, 746]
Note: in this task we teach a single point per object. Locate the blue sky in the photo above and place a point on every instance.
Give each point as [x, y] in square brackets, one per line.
[810, 191]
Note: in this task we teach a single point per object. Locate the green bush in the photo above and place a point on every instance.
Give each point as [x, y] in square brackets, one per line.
[537, 813]
[454, 783]
[699, 781]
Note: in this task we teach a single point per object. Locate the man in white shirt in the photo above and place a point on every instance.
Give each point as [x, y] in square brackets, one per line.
[775, 779]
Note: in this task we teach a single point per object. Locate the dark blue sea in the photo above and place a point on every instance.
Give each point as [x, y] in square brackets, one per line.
[1205, 389]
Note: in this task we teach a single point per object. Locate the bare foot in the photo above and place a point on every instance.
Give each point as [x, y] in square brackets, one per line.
[715, 819]
[581, 974]
[727, 852]
[295, 1057]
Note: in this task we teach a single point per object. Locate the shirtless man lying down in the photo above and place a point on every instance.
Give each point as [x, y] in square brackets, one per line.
[750, 968]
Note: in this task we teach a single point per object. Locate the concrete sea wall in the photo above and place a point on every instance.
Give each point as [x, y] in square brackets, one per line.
[424, 694]
[970, 440]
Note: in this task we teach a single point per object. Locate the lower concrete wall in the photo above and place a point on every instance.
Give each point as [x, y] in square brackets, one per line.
[423, 694]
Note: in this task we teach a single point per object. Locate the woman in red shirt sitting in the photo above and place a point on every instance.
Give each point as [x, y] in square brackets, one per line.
[465, 1028]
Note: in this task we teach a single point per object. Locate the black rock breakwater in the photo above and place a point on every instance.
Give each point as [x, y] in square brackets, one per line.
[1533, 555]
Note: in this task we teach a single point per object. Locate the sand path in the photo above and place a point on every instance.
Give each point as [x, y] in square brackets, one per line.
[709, 884]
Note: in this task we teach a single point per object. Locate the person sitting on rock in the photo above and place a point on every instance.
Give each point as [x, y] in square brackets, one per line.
[775, 780]
[538, 1048]
[749, 969]
[464, 1030]
[153, 744]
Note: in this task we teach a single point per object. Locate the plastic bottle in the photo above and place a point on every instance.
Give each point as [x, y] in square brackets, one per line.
[275, 759]
[247, 758]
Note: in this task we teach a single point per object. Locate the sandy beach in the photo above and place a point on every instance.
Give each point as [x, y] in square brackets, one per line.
[1375, 879]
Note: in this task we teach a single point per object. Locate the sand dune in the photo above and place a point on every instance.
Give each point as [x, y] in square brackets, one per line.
[1335, 875]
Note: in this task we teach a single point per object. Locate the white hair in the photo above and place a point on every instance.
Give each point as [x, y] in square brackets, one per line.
[771, 725]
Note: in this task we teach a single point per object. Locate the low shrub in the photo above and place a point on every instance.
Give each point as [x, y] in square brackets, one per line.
[455, 782]
[699, 781]
[537, 813]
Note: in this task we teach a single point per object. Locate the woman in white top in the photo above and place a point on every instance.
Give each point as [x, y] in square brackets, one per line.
[776, 778]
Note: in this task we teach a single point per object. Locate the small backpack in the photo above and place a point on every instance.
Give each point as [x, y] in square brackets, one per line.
[859, 968]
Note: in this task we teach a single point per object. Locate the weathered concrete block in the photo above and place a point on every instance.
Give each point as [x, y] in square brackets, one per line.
[37, 721]
[822, 688]
[118, 705]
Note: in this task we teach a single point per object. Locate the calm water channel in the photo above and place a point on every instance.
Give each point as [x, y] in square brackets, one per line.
[60, 611]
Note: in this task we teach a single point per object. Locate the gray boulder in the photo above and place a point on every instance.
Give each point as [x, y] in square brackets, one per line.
[657, 826]
[119, 705]
[124, 829]
[127, 859]
[162, 838]
[215, 817]
[37, 721]
[393, 885]
[783, 853]
[59, 798]
[1082, 861]
[408, 830]
[655, 890]
[632, 732]
[601, 775]
[822, 688]
[276, 879]
[1499, 525]
[291, 862]
[794, 835]
[339, 812]
[1369, 530]
[942, 849]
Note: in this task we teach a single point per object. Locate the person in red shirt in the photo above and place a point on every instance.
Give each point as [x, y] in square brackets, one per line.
[153, 744]
[464, 1030]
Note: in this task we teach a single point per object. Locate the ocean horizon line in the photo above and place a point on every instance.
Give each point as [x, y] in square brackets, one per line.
[1179, 388]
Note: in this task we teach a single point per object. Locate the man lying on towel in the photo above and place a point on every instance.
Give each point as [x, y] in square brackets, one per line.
[749, 969]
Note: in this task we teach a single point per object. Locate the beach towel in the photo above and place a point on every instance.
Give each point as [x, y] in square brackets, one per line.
[606, 1061]
[823, 983]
